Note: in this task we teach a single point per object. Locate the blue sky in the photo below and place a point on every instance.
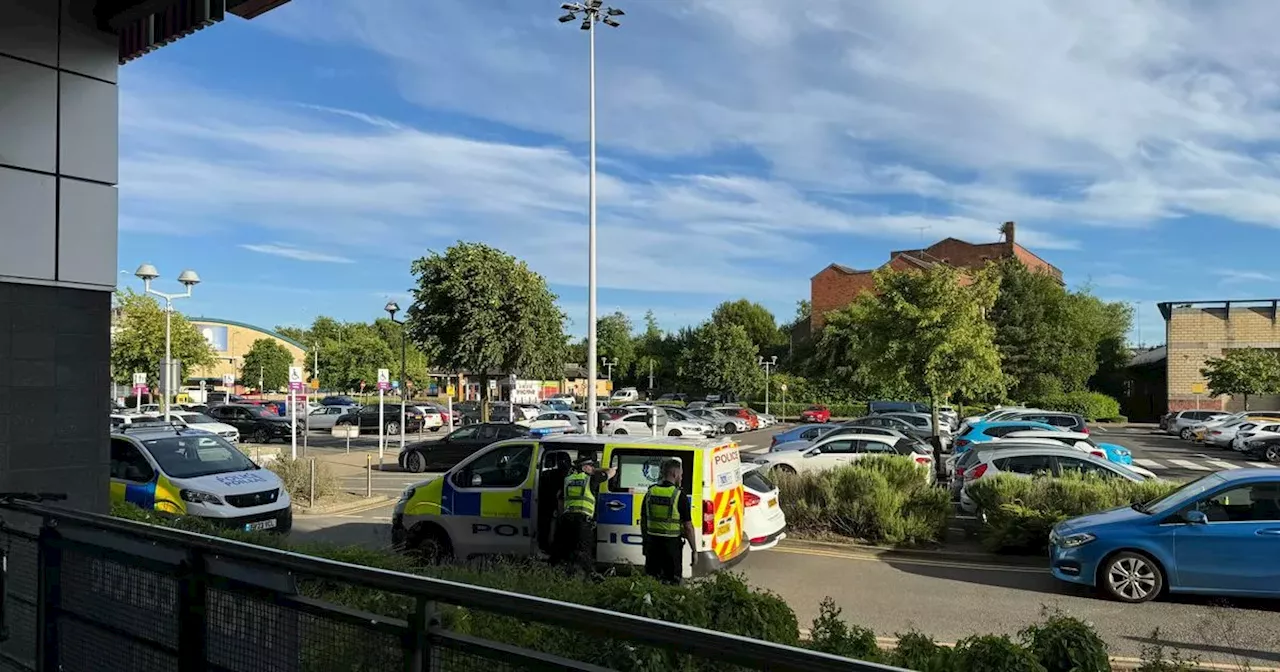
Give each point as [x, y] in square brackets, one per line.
[300, 161]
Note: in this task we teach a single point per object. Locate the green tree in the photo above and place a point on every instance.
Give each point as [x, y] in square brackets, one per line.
[927, 331]
[416, 367]
[269, 360]
[1245, 372]
[755, 319]
[356, 358]
[138, 343]
[722, 358]
[299, 334]
[614, 341]
[480, 310]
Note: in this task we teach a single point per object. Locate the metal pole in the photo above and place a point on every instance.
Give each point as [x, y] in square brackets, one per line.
[449, 407]
[293, 423]
[382, 428]
[766, 388]
[312, 498]
[168, 356]
[349, 439]
[591, 231]
[306, 429]
[368, 475]
[651, 378]
[404, 388]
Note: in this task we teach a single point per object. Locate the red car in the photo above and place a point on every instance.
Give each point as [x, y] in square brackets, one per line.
[816, 414]
[753, 420]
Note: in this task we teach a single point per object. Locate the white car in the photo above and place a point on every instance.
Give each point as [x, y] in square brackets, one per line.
[570, 421]
[325, 417]
[1254, 432]
[638, 423]
[1181, 423]
[762, 518]
[767, 419]
[119, 420]
[1027, 459]
[706, 427]
[830, 452]
[1222, 434]
[431, 418]
[150, 409]
[729, 424]
[208, 424]
[950, 416]
[625, 394]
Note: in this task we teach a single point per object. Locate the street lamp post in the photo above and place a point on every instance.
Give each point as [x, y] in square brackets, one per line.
[767, 364]
[189, 279]
[592, 12]
[609, 366]
[392, 308]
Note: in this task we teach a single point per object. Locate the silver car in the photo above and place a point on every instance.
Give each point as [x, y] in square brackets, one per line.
[324, 417]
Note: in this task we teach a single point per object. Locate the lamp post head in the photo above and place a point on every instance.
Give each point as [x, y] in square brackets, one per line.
[773, 360]
[392, 308]
[147, 273]
[189, 278]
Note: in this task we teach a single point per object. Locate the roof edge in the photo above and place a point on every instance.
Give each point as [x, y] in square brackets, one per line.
[232, 323]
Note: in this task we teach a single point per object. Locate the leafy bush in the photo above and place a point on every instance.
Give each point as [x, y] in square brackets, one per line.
[1021, 511]
[880, 500]
[1158, 658]
[917, 651]
[296, 475]
[993, 653]
[831, 634]
[1066, 644]
[1090, 405]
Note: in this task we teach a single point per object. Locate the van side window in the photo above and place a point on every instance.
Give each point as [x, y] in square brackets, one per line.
[639, 468]
[128, 464]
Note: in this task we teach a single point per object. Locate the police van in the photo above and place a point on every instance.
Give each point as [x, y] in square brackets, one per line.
[178, 470]
[502, 500]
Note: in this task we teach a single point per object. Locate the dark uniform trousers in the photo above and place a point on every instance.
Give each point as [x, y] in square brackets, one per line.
[575, 542]
[664, 558]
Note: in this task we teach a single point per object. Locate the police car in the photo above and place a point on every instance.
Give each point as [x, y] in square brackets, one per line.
[183, 471]
[502, 499]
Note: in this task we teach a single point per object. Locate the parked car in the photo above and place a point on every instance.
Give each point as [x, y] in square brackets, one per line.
[130, 419]
[624, 394]
[1071, 422]
[674, 397]
[950, 415]
[762, 518]
[325, 417]
[338, 400]
[767, 419]
[753, 422]
[890, 422]
[830, 452]
[923, 422]
[206, 423]
[1166, 419]
[254, 422]
[879, 407]
[707, 428]
[1028, 460]
[1216, 535]
[816, 413]
[1107, 451]
[452, 448]
[215, 397]
[728, 424]
[807, 432]
[569, 421]
[1180, 424]
[1226, 426]
[638, 422]
[366, 418]
[982, 432]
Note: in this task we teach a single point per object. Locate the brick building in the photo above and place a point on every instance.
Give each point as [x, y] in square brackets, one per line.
[836, 286]
[1199, 330]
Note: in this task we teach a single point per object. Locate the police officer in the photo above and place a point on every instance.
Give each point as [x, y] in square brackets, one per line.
[575, 537]
[665, 523]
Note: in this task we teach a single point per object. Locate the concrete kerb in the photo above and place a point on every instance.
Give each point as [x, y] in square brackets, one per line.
[356, 506]
[1118, 663]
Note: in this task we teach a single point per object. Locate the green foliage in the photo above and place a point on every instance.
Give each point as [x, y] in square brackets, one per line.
[138, 344]
[1089, 405]
[1065, 644]
[839, 409]
[917, 651]
[924, 334]
[267, 359]
[831, 634]
[1021, 511]
[721, 358]
[614, 341]
[479, 309]
[1246, 372]
[1159, 658]
[759, 323]
[993, 653]
[355, 358]
[296, 475]
[880, 500]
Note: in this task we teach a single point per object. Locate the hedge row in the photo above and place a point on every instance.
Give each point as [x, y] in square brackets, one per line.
[883, 500]
[724, 602]
[1019, 512]
[792, 409]
[1093, 406]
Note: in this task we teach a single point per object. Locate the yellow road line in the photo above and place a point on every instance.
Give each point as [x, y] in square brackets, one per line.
[923, 562]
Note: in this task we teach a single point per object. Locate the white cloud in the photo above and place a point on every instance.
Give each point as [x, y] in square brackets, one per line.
[296, 253]
[1234, 276]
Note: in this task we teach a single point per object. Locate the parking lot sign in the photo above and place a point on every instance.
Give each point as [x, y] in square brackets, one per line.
[228, 379]
[139, 384]
[295, 378]
[1197, 388]
[384, 379]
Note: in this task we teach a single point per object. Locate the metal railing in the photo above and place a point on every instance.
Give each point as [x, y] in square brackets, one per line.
[91, 592]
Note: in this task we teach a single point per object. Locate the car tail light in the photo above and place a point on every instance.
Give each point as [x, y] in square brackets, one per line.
[1085, 429]
[921, 459]
[708, 517]
[978, 471]
[1098, 453]
[758, 540]
[750, 499]
[960, 443]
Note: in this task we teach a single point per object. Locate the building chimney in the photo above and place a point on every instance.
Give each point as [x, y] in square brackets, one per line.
[1008, 230]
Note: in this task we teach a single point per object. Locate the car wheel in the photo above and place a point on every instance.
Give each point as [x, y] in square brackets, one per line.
[414, 462]
[261, 435]
[729, 428]
[1131, 577]
[1186, 434]
[1272, 453]
[674, 432]
[435, 429]
[619, 432]
[429, 544]
[785, 469]
[393, 427]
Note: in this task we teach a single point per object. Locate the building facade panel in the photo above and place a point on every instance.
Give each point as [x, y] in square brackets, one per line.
[231, 341]
[1197, 332]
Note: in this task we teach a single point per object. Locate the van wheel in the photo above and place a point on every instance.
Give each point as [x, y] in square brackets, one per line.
[414, 462]
[730, 428]
[261, 435]
[619, 432]
[429, 544]
[674, 432]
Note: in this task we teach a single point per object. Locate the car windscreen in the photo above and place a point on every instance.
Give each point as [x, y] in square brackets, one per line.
[909, 447]
[1181, 496]
[190, 455]
[754, 480]
[195, 418]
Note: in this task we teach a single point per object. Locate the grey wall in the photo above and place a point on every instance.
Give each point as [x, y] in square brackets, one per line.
[59, 161]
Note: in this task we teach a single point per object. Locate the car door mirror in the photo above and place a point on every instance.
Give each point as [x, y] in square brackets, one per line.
[1195, 517]
[813, 452]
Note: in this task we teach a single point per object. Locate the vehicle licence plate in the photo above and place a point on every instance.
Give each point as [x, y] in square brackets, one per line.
[773, 503]
[260, 525]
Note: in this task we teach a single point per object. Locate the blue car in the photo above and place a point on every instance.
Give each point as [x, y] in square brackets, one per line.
[1218, 535]
[986, 431]
[801, 433]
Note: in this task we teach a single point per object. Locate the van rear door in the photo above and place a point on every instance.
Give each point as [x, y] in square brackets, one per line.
[618, 507]
[722, 508]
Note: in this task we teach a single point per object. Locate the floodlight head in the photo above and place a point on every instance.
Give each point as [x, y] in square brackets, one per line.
[147, 273]
[571, 7]
[774, 359]
[189, 278]
[567, 18]
[615, 12]
[595, 4]
[392, 307]
[610, 22]
[586, 23]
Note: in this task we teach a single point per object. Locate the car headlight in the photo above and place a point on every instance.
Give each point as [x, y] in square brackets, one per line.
[408, 493]
[760, 460]
[1073, 540]
[198, 497]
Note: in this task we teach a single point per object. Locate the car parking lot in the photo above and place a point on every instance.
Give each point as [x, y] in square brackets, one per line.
[1171, 457]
